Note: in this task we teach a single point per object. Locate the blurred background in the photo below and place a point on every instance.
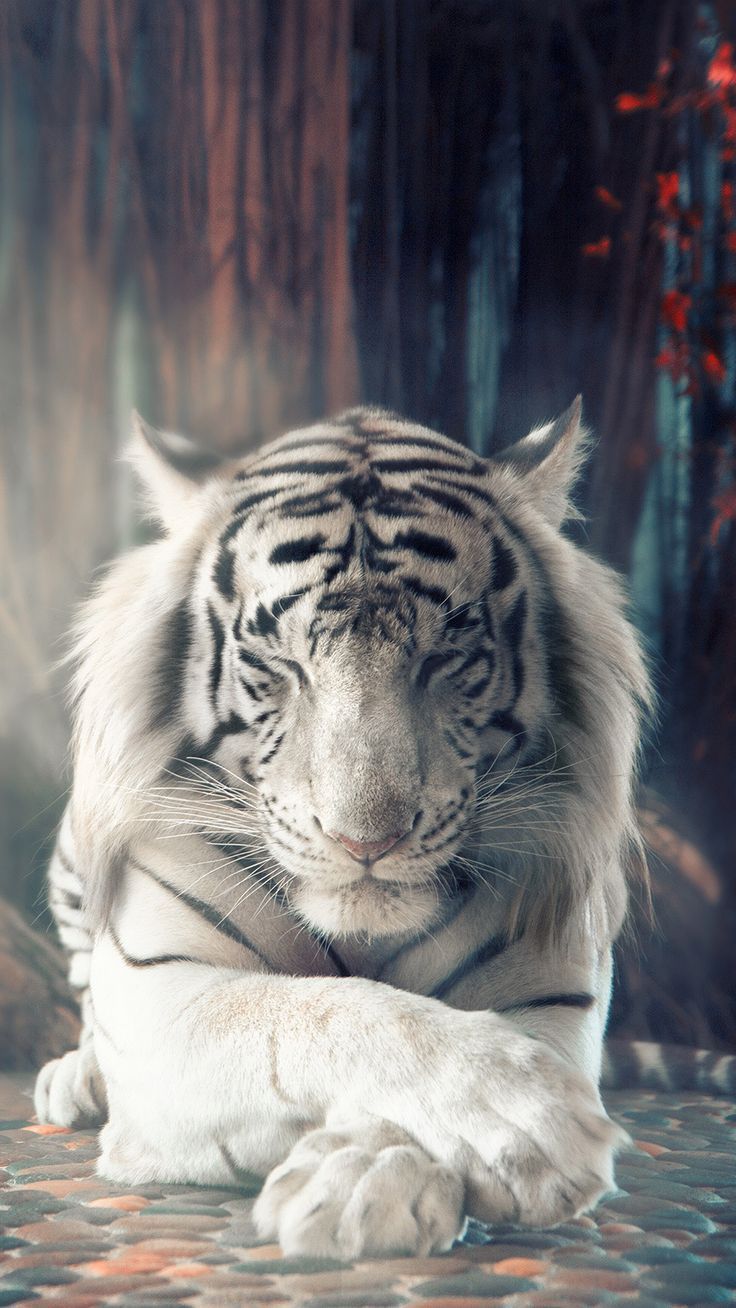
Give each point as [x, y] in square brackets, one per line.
[238, 216]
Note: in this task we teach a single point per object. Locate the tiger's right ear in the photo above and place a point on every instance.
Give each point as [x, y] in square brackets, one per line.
[172, 469]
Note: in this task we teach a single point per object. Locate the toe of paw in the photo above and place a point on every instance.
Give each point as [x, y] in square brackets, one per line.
[70, 1092]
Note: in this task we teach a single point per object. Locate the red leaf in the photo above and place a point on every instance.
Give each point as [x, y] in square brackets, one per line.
[598, 249]
[605, 197]
[729, 240]
[721, 70]
[713, 367]
[628, 103]
[674, 360]
[694, 217]
[729, 131]
[727, 205]
[725, 512]
[668, 186]
[674, 308]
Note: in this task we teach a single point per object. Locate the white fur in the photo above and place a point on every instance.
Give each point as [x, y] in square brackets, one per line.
[382, 1114]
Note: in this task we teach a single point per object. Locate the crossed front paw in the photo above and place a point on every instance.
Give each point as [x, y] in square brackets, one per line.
[531, 1140]
[361, 1189]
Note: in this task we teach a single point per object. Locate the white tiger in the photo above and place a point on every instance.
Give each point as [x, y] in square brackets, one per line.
[350, 830]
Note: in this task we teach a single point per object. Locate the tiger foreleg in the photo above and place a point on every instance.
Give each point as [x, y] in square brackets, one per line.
[214, 1072]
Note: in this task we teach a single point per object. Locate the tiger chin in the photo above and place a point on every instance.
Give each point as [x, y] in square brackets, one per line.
[349, 836]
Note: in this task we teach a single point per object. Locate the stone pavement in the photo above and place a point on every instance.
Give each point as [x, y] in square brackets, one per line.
[668, 1237]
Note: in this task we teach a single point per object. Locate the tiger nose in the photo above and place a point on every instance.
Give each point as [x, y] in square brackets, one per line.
[367, 851]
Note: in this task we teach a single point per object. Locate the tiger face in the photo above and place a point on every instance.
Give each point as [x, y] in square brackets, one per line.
[365, 647]
[365, 663]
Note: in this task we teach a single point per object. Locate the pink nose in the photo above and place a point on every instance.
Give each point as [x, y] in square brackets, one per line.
[367, 851]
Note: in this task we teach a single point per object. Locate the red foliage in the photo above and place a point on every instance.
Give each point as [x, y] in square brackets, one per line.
[713, 367]
[694, 217]
[688, 356]
[628, 103]
[729, 131]
[674, 309]
[675, 360]
[725, 512]
[721, 70]
[598, 249]
[606, 198]
[668, 189]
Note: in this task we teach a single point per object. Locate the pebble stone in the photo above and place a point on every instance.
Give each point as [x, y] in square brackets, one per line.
[666, 1236]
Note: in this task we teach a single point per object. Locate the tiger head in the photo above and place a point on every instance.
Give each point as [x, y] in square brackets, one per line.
[369, 662]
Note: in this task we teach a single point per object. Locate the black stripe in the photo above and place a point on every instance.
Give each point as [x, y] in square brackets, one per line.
[484, 954]
[222, 573]
[218, 642]
[504, 565]
[320, 468]
[344, 443]
[268, 884]
[242, 509]
[297, 551]
[234, 726]
[419, 465]
[328, 949]
[281, 605]
[155, 961]
[551, 1001]
[273, 750]
[211, 915]
[479, 494]
[254, 661]
[310, 505]
[60, 911]
[421, 937]
[169, 675]
[421, 442]
[421, 542]
[513, 624]
[419, 589]
[264, 623]
[446, 500]
[66, 862]
[504, 721]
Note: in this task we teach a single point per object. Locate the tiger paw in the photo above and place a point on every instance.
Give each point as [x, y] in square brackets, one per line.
[537, 1183]
[363, 1189]
[70, 1091]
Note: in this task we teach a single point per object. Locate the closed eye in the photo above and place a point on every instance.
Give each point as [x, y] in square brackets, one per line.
[432, 664]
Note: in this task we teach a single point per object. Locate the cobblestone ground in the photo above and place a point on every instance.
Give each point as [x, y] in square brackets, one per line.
[667, 1237]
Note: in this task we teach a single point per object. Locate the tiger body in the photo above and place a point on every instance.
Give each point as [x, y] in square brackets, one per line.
[347, 845]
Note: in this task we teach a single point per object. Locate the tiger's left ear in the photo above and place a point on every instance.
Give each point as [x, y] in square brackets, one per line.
[171, 468]
[549, 460]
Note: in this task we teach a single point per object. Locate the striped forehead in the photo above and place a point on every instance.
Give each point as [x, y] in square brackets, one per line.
[337, 502]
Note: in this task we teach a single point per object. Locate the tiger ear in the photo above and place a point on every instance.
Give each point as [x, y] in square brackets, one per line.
[171, 468]
[549, 460]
